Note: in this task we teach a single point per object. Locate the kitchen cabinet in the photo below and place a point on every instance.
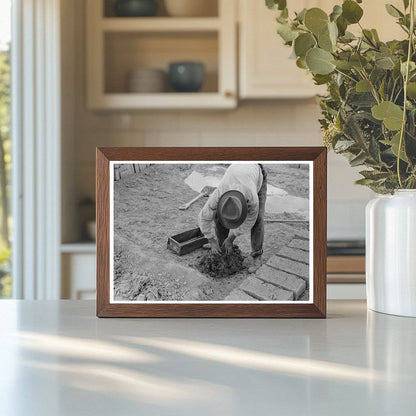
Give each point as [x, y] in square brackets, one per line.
[116, 46]
[265, 70]
[78, 262]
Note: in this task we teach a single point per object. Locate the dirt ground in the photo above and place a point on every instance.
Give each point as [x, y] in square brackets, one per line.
[146, 213]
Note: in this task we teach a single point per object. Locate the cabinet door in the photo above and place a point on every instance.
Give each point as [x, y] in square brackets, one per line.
[265, 68]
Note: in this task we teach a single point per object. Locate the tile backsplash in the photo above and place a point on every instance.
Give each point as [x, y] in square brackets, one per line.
[284, 123]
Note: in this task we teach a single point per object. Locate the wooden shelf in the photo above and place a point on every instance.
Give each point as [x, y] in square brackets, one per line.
[346, 264]
[81, 247]
[129, 101]
[159, 24]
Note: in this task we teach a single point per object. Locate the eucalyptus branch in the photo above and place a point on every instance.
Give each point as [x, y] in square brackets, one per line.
[378, 122]
[406, 80]
[345, 75]
[373, 89]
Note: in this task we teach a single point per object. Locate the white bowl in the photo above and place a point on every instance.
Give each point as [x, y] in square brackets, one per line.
[191, 8]
[146, 80]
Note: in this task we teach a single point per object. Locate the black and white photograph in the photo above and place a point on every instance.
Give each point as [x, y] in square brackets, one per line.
[211, 232]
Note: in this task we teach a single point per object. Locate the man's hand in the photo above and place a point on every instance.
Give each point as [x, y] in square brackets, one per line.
[228, 245]
[215, 247]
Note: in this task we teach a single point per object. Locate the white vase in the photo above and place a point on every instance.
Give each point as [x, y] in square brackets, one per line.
[391, 253]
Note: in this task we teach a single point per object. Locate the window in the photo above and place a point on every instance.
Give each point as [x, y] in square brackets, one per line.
[5, 145]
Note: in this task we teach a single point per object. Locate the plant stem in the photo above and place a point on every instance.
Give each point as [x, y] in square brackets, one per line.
[406, 80]
[345, 75]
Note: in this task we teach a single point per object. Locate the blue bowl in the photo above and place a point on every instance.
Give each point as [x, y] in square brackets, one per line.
[186, 76]
[136, 8]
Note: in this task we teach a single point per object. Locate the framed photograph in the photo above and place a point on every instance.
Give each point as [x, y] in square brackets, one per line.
[211, 232]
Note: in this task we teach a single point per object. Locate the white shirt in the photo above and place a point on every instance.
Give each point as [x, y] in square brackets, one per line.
[246, 178]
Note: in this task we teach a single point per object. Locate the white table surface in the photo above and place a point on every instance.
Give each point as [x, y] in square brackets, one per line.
[57, 359]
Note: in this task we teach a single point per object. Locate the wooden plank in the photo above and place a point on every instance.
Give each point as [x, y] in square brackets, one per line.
[264, 291]
[281, 279]
[301, 244]
[290, 266]
[238, 294]
[159, 24]
[345, 278]
[295, 254]
[346, 264]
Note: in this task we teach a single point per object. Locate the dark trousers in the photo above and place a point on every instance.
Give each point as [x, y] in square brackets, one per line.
[257, 232]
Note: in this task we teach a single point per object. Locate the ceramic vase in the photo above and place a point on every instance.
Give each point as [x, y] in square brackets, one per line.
[391, 253]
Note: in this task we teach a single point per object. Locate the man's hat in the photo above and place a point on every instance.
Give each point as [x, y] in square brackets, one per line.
[232, 209]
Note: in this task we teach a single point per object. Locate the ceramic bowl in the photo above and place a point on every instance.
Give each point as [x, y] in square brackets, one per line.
[135, 8]
[147, 80]
[186, 76]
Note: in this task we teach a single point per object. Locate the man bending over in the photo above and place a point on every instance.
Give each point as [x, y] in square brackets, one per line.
[237, 207]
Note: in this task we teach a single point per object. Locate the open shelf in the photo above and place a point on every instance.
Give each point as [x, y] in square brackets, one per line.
[116, 46]
[127, 51]
[80, 247]
[130, 101]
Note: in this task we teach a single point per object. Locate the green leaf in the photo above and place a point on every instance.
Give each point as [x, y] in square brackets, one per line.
[364, 181]
[319, 61]
[343, 145]
[368, 36]
[394, 144]
[321, 79]
[316, 20]
[301, 63]
[385, 63]
[358, 61]
[411, 90]
[374, 175]
[324, 42]
[303, 43]
[336, 12]
[348, 37]
[276, 4]
[363, 86]
[393, 11]
[327, 40]
[391, 114]
[343, 65]
[354, 131]
[412, 67]
[351, 11]
[286, 32]
[375, 35]
[374, 150]
[333, 32]
[301, 15]
[361, 99]
[406, 4]
[342, 25]
[358, 160]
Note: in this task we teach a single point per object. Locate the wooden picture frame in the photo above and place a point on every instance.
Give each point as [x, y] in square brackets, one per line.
[316, 308]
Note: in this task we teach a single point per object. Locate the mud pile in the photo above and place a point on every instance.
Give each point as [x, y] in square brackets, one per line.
[220, 265]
